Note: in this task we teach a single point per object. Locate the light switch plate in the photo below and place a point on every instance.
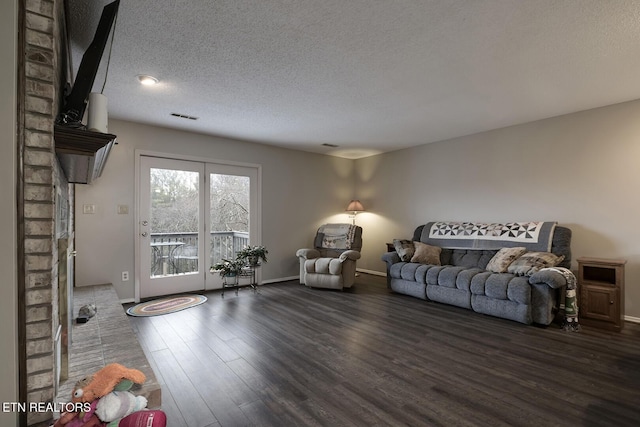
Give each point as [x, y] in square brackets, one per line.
[123, 209]
[88, 209]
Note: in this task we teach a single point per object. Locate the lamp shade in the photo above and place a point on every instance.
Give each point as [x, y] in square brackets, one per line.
[355, 206]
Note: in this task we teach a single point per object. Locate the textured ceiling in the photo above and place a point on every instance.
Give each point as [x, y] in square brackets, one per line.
[367, 75]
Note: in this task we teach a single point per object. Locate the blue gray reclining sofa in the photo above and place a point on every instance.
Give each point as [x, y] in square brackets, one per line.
[462, 280]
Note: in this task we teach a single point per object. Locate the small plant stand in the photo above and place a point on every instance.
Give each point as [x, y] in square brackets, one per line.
[233, 282]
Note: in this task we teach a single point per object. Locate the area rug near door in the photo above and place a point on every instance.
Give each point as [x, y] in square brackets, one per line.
[166, 305]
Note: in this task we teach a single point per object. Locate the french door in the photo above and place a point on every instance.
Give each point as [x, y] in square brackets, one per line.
[191, 215]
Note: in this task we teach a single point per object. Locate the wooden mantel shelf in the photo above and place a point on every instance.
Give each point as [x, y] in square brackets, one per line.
[80, 141]
[82, 153]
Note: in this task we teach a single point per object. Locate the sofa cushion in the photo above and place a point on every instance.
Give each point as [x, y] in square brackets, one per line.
[448, 276]
[421, 273]
[503, 258]
[519, 290]
[408, 271]
[496, 286]
[426, 254]
[395, 270]
[404, 248]
[531, 262]
[505, 286]
[478, 281]
[463, 281]
[433, 275]
[470, 258]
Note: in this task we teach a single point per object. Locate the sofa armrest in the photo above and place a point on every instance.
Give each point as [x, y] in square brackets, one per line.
[308, 253]
[350, 254]
[390, 258]
[551, 278]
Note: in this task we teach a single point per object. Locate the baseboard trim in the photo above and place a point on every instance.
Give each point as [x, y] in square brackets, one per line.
[632, 319]
[280, 279]
[372, 272]
[127, 300]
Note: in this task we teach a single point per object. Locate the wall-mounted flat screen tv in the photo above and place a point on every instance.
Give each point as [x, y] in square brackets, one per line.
[75, 103]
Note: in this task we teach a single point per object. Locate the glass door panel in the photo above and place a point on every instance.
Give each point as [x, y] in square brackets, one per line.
[228, 215]
[232, 218]
[171, 226]
[174, 221]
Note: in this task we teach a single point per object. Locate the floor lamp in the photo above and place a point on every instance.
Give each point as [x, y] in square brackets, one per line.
[355, 206]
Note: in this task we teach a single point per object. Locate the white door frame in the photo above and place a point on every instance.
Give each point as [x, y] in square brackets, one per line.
[172, 283]
[255, 232]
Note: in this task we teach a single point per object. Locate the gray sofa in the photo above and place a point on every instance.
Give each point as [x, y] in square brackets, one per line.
[461, 279]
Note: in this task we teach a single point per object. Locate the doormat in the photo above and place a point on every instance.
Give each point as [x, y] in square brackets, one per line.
[165, 305]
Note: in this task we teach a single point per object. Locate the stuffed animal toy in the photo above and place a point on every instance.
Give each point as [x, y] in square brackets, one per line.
[147, 418]
[119, 404]
[104, 381]
[80, 419]
[113, 377]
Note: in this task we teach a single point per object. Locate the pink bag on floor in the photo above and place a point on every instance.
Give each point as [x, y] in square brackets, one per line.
[144, 419]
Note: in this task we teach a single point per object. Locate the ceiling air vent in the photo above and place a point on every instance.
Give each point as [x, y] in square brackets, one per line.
[329, 145]
[184, 116]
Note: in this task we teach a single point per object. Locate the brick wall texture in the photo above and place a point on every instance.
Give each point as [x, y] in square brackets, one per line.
[42, 180]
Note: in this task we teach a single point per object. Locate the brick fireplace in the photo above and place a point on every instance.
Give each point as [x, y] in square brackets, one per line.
[45, 206]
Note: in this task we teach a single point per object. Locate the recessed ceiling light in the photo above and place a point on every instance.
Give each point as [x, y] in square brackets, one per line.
[147, 80]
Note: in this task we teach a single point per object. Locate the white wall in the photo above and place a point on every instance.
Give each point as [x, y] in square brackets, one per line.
[300, 191]
[8, 212]
[579, 169]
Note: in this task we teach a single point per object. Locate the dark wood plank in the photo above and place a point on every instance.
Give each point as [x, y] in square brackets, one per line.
[290, 355]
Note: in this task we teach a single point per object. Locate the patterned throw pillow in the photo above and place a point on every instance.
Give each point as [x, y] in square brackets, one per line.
[503, 258]
[532, 262]
[426, 254]
[404, 248]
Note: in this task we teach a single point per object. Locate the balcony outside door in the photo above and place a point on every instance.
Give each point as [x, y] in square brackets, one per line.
[191, 215]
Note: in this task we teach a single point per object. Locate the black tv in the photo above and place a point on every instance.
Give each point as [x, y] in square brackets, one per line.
[75, 103]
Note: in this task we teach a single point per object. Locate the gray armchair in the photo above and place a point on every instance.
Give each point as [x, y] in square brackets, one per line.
[332, 262]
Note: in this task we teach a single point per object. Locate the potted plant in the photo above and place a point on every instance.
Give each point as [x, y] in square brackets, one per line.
[228, 268]
[252, 255]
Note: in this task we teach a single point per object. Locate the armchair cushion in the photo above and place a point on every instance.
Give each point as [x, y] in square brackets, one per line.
[352, 255]
[308, 253]
[323, 266]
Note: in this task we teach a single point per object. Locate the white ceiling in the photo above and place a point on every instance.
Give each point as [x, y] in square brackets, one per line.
[368, 75]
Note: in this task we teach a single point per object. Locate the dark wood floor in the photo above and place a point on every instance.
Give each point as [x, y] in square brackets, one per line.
[294, 356]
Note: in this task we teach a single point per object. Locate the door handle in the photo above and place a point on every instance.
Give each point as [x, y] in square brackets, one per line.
[145, 234]
[145, 223]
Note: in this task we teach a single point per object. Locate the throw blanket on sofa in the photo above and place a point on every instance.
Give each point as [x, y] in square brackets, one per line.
[535, 236]
[570, 322]
[337, 236]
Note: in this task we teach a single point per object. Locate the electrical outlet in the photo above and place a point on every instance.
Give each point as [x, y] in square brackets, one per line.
[125, 276]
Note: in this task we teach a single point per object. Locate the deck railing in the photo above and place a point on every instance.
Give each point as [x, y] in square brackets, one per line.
[177, 252]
